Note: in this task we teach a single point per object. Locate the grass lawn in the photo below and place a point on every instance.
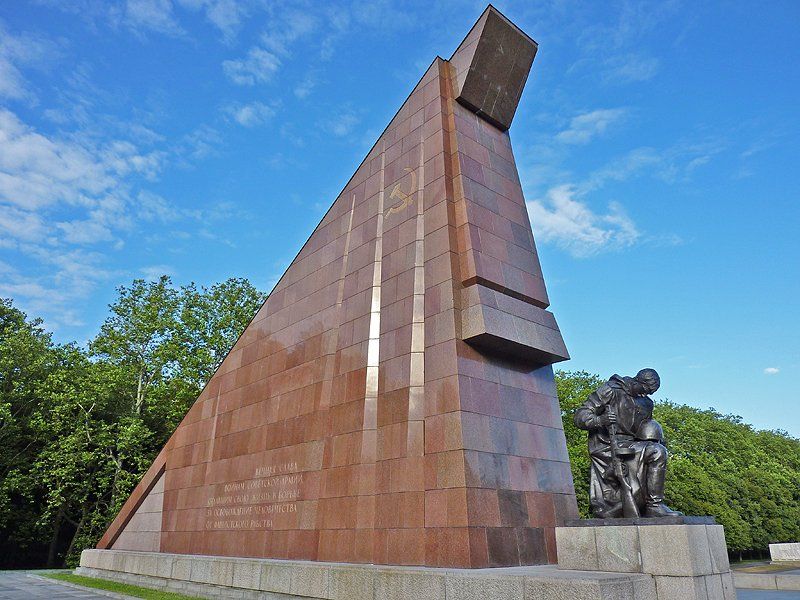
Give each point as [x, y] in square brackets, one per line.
[119, 588]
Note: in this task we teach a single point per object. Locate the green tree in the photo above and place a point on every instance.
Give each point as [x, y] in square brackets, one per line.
[212, 320]
[142, 335]
[573, 389]
[78, 427]
[27, 358]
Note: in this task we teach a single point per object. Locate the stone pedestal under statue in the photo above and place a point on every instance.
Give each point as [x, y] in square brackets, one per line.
[686, 557]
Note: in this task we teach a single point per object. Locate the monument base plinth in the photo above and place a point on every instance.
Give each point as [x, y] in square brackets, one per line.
[224, 577]
[785, 552]
[685, 556]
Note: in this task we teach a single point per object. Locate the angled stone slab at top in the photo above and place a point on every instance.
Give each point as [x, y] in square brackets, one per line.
[492, 65]
[502, 324]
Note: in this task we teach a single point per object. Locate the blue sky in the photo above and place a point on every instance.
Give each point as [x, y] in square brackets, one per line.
[657, 144]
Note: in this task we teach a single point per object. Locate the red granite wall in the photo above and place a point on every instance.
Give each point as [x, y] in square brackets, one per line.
[352, 422]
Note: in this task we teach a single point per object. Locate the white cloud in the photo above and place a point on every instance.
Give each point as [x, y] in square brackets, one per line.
[342, 124]
[387, 17]
[154, 272]
[263, 60]
[287, 28]
[582, 128]
[565, 221]
[303, 89]
[153, 15]
[612, 47]
[630, 68]
[17, 51]
[60, 193]
[12, 83]
[623, 167]
[152, 207]
[108, 214]
[771, 371]
[669, 164]
[37, 170]
[250, 115]
[20, 224]
[28, 289]
[225, 15]
[138, 16]
[198, 144]
[87, 231]
[257, 67]
[289, 133]
[57, 292]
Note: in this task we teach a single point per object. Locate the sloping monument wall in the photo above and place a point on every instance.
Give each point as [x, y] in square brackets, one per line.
[392, 402]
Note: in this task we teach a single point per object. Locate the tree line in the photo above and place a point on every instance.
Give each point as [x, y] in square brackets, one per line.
[79, 425]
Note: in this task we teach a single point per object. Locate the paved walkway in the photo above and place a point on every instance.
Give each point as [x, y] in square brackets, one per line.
[766, 595]
[16, 585]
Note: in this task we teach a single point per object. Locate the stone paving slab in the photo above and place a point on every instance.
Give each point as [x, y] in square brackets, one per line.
[21, 585]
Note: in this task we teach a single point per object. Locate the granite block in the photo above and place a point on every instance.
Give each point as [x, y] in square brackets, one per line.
[728, 589]
[645, 589]
[787, 582]
[164, 567]
[247, 574]
[618, 549]
[577, 548]
[676, 550]
[312, 581]
[784, 552]
[371, 582]
[148, 565]
[755, 581]
[714, 589]
[681, 588]
[106, 559]
[182, 569]
[558, 589]
[222, 573]
[718, 549]
[498, 588]
[396, 585]
[351, 584]
[276, 578]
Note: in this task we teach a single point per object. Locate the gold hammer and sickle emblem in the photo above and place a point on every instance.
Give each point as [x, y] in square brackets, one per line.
[405, 199]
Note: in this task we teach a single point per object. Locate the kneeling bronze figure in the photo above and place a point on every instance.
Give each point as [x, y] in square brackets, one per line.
[626, 445]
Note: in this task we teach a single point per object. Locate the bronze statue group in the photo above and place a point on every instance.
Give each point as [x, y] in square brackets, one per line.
[626, 446]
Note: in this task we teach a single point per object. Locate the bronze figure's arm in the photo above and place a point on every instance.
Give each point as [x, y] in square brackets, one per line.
[594, 413]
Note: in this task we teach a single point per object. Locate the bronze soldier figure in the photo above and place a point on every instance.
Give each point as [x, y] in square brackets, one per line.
[621, 411]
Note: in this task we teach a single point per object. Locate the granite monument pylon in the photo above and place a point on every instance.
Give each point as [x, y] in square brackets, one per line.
[393, 400]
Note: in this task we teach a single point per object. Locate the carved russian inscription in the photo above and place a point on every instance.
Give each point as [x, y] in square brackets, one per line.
[254, 503]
